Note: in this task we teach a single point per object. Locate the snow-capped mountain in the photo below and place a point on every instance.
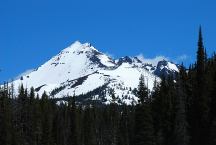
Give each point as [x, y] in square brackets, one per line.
[82, 70]
[165, 68]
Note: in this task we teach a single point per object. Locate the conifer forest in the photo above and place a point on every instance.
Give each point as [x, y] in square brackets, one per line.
[181, 110]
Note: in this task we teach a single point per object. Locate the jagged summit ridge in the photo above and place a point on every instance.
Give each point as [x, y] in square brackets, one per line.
[82, 70]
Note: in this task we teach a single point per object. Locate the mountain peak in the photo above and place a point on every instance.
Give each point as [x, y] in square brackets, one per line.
[77, 46]
[125, 59]
[82, 69]
[165, 68]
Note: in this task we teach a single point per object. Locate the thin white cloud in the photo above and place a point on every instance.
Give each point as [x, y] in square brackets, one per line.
[182, 57]
[109, 55]
[154, 61]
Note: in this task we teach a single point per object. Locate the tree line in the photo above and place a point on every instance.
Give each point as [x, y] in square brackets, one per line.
[181, 110]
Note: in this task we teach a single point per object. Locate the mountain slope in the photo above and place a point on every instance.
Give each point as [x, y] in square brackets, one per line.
[81, 69]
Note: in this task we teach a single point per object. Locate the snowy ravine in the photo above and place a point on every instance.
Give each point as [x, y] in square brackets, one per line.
[82, 70]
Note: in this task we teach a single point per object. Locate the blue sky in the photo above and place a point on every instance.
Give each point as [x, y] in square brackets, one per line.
[32, 31]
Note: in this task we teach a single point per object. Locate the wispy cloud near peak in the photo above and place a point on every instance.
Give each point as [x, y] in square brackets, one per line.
[154, 61]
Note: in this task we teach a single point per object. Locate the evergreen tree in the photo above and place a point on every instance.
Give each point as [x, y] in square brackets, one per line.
[46, 136]
[37, 121]
[21, 118]
[72, 139]
[212, 136]
[181, 136]
[123, 131]
[142, 90]
[157, 113]
[5, 119]
[144, 130]
[88, 128]
[163, 111]
[200, 100]
[200, 61]
[114, 119]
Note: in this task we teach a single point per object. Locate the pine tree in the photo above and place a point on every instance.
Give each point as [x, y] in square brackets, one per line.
[46, 136]
[212, 116]
[200, 60]
[37, 121]
[144, 130]
[163, 111]
[200, 100]
[21, 118]
[88, 128]
[157, 113]
[5, 119]
[123, 131]
[72, 139]
[181, 136]
[114, 120]
[142, 90]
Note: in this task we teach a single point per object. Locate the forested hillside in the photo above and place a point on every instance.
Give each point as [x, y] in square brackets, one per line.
[181, 110]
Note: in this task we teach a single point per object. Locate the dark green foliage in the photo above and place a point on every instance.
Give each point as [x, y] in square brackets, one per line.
[144, 130]
[5, 119]
[29, 120]
[200, 99]
[181, 136]
[163, 111]
[200, 57]
[124, 128]
[142, 90]
[57, 90]
[47, 120]
[72, 123]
